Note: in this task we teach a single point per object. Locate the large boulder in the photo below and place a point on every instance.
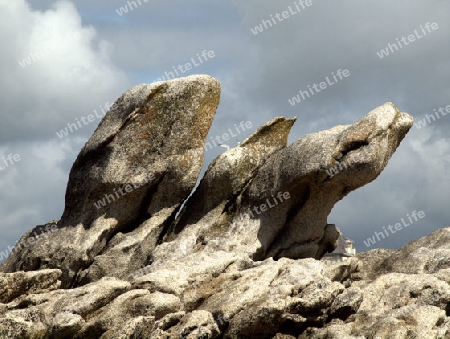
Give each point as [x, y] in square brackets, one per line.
[274, 201]
[128, 182]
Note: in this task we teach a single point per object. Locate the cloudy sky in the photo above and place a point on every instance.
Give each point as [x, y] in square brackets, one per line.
[63, 60]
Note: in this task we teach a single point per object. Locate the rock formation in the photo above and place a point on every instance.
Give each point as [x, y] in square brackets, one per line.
[136, 255]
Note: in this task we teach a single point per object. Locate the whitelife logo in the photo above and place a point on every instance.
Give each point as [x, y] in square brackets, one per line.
[429, 117]
[86, 120]
[341, 165]
[49, 49]
[258, 210]
[29, 241]
[225, 136]
[406, 41]
[323, 85]
[398, 226]
[10, 160]
[266, 24]
[281, 196]
[205, 56]
[124, 9]
[110, 198]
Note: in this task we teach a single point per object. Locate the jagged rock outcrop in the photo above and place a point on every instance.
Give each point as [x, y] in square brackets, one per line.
[240, 259]
[237, 182]
[128, 182]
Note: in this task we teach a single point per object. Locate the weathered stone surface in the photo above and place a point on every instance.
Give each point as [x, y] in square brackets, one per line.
[220, 268]
[59, 313]
[130, 305]
[221, 214]
[13, 285]
[385, 303]
[365, 147]
[209, 212]
[346, 303]
[425, 255]
[135, 328]
[148, 146]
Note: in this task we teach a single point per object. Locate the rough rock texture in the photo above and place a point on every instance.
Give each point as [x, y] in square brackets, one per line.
[221, 214]
[13, 285]
[240, 259]
[224, 297]
[142, 162]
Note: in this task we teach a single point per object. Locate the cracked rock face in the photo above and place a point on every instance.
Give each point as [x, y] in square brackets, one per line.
[239, 260]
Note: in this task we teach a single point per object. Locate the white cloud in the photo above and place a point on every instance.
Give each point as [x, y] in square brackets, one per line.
[69, 72]
[71, 75]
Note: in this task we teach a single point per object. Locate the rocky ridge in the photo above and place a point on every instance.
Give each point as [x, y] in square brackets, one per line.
[239, 260]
